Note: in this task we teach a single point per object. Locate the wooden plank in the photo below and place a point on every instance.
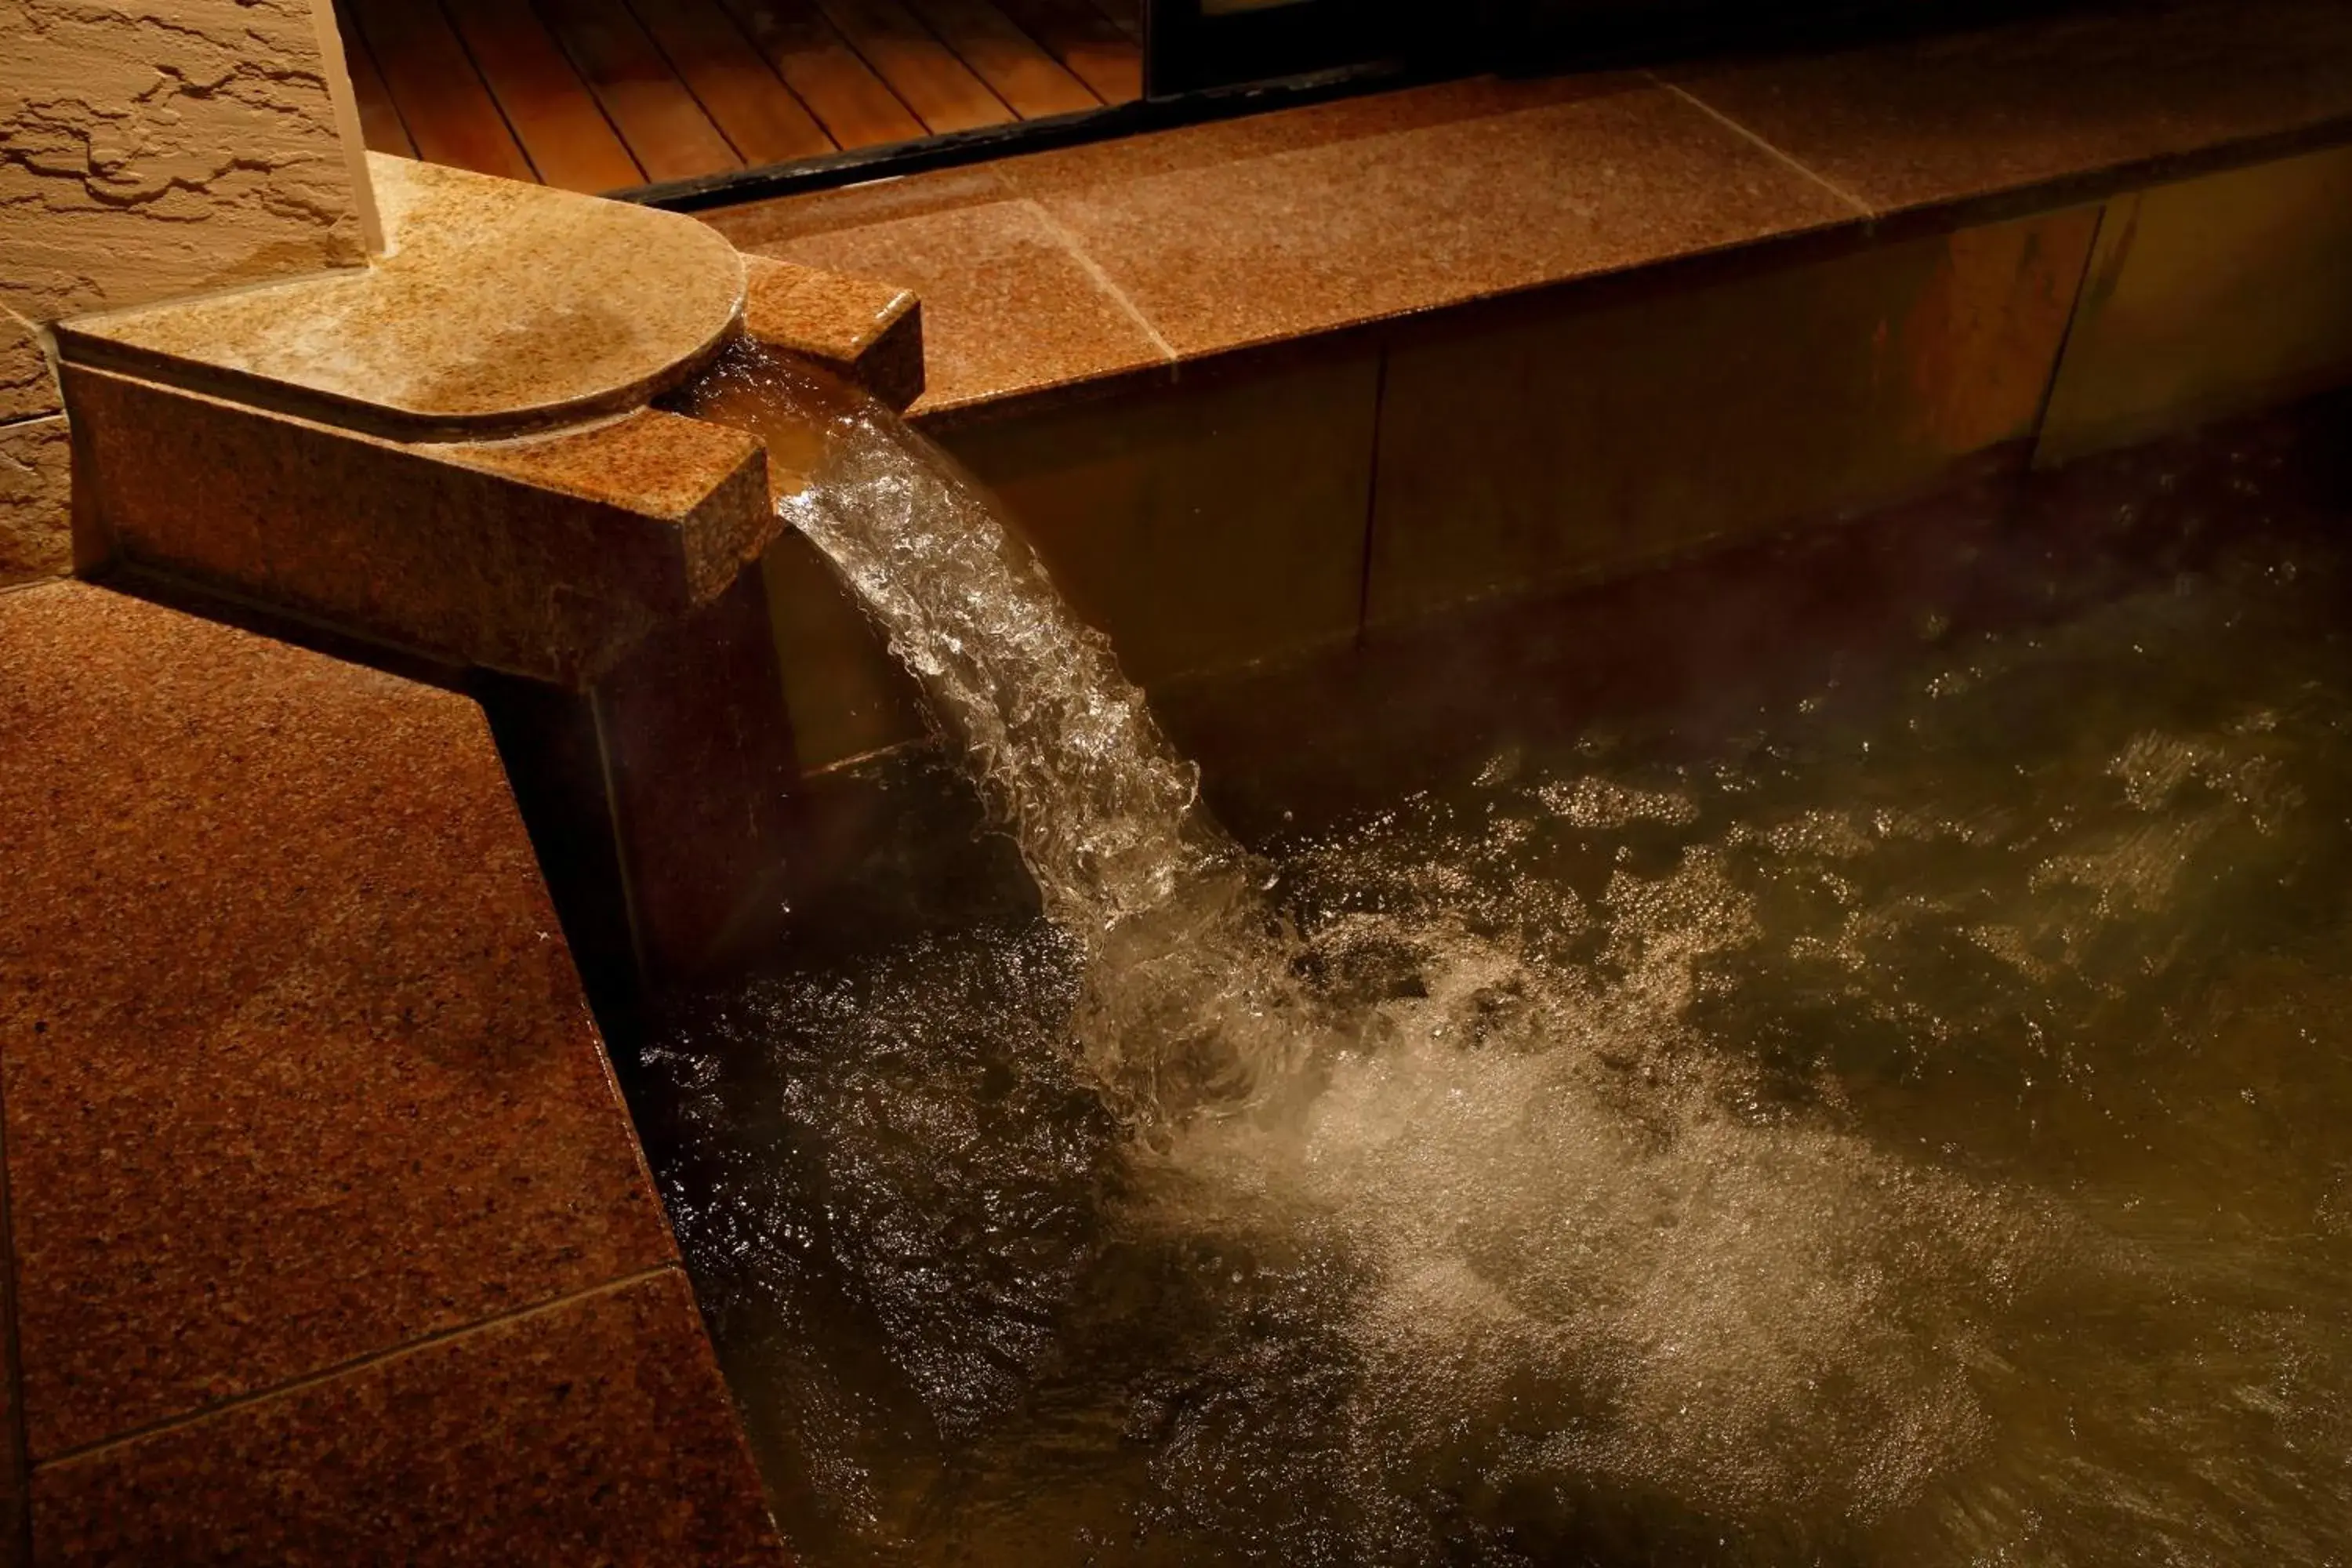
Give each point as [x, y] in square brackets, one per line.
[449, 113]
[380, 125]
[1087, 41]
[925, 74]
[1127, 15]
[853, 104]
[736, 87]
[1008, 59]
[569, 140]
[665, 128]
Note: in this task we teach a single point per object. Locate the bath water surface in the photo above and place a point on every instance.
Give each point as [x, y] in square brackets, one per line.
[1902, 1121]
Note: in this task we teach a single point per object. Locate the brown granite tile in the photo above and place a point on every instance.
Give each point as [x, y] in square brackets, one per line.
[705, 482]
[36, 499]
[2208, 298]
[1250, 136]
[1593, 439]
[1309, 241]
[499, 307]
[1202, 526]
[1008, 308]
[660, 463]
[546, 557]
[594, 1432]
[697, 755]
[756, 225]
[1944, 118]
[846, 695]
[27, 390]
[294, 1064]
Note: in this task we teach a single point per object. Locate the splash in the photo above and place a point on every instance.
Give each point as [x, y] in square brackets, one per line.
[1528, 1181]
[1193, 1011]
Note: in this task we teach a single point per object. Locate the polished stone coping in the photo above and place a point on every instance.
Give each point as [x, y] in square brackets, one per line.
[498, 308]
[329, 1233]
[1097, 267]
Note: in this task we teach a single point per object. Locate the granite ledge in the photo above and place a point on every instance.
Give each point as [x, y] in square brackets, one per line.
[593, 1430]
[1303, 263]
[2085, 102]
[546, 556]
[296, 1067]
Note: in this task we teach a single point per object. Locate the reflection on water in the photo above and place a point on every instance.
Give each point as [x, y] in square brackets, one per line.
[1905, 1127]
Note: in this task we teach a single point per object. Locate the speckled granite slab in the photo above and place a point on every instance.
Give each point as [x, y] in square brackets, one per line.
[546, 557]
[331, 1239]
[498, 308]
[1119, 263]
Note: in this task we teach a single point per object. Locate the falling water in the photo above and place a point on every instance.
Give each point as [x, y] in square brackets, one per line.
[1194, 1010]
[1107, 815]
[1605, 1162]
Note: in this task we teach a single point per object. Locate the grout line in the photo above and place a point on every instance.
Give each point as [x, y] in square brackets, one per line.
[1371, 502]
[2074, 324]
[1093, 270]
[1840, 192]
[356, 1364]
[609, 775]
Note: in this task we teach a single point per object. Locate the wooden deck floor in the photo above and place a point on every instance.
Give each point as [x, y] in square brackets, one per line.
[599, 95]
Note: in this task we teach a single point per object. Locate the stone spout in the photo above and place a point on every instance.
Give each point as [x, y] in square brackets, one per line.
[454, 449]
[459, 454]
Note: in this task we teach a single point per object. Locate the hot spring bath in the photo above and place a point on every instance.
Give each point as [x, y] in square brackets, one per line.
[1889, 1113]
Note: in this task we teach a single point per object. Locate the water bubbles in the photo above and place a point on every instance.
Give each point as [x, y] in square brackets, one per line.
[1606, 1160]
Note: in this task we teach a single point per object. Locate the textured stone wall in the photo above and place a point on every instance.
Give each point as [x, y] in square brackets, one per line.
[148, 151]
[35, 519]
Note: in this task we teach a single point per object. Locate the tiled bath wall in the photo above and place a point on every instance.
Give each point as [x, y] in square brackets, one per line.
[1286, 499]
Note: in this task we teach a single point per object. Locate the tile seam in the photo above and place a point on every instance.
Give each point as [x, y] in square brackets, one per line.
[344, 1368]
[1860, 208]
[1101, 279]
[1372, 498]
[2074, 310]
